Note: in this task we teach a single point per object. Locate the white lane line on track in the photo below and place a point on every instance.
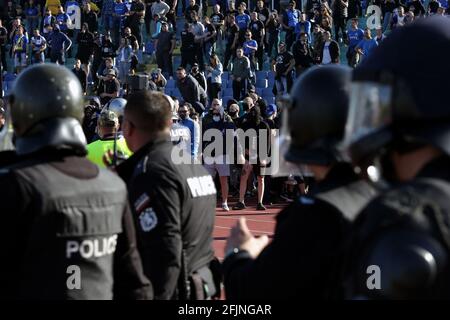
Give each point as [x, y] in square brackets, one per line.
[247, 219]
[251, 230]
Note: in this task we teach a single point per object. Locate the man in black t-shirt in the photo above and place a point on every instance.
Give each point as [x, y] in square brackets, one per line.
[109, 89]
[132, 40]
[263, 11]
[232, 36]
[193, 7]
[136, 19]
[209, 42]
[218, 21]
[187, 46]
[283, 66]
[258, 33]
[165, 44]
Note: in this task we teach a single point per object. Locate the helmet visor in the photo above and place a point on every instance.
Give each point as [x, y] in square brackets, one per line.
[369, 111]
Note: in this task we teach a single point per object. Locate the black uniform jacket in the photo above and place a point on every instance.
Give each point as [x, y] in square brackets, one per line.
[301, 260]
[174, 210]
[67, 231]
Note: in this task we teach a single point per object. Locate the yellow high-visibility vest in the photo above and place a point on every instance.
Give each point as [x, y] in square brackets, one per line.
[98, 148]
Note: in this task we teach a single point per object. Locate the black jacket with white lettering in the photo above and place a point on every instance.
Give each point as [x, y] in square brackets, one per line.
[67, 232]
[174, 210]
[303, 260]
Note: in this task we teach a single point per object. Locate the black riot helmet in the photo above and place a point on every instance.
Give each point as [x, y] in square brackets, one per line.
[319, 104]
[399, 95]
[46, 110]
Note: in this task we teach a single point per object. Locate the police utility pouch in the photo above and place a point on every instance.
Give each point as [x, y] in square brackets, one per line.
[205, 283]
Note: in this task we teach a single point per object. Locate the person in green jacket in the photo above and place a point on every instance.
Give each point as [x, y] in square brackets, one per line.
[108, 125]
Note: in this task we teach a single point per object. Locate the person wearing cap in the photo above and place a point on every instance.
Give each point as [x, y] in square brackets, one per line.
[109, 87]
[110, 140]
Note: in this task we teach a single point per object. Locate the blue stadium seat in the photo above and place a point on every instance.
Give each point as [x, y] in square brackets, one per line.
[259, 91]
[171, 84]
[176, 92]
[229, 84]
[261, 83]
[168, 91]
[225, 100]
[225, 75]
[270, 99]
[267, 92]
[261, 74]
[227, 92]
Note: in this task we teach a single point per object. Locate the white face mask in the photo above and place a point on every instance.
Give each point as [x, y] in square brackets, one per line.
[216, 118]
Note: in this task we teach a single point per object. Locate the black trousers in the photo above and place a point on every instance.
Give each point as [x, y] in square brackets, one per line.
[213, 90]
[164, 61]
[340, 23]
[239, 89]
[188, 58]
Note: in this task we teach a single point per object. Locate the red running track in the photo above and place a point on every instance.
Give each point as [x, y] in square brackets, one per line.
[259, 223]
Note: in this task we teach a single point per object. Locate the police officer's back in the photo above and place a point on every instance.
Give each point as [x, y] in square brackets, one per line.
[399, 137]
[68, 231]
[304, 258]
[173, 204]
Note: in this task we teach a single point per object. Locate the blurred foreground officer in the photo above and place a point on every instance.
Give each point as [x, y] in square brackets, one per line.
[399, 133]
[68, 231]
[304, 258]
[173, 204]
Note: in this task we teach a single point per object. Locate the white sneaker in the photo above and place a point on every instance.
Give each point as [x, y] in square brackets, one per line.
[225, 207]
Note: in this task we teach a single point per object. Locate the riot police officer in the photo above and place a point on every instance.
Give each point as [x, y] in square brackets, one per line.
[304, 258]
[398, 135]
[68, 231]
[173, 203]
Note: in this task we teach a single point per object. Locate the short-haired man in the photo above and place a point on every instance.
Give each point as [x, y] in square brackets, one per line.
[173, 204]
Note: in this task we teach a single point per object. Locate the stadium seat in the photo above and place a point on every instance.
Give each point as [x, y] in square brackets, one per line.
[176, 92]
[267, 92]
[261, 75]
[229, 84]
[171, 84]
[225, 100]
[261, 83]
[227, 92]
[225, 75]
[259, 91]
[270, 99]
